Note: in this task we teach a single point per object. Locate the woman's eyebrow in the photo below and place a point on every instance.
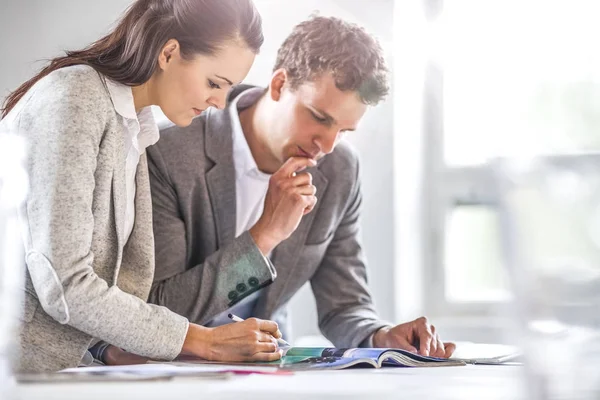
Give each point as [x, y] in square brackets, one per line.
[225, 79]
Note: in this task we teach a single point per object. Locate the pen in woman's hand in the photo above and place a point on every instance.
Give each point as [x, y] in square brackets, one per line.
[280, 341]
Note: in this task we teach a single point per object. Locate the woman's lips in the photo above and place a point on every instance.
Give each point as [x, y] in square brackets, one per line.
[197, 111]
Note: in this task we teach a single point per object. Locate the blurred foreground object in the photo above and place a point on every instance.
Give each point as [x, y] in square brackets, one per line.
[13, 187]
[550, 217]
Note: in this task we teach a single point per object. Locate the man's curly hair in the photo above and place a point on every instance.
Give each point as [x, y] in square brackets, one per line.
[327, 44]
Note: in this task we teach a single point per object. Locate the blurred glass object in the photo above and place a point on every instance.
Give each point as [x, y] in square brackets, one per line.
[13, 187]
[550, 224]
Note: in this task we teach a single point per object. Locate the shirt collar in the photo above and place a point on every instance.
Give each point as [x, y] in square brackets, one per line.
[149, 133]
[242, 155]
[122, 99]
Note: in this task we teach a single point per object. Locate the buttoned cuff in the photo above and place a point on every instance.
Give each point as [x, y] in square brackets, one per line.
[255, 270]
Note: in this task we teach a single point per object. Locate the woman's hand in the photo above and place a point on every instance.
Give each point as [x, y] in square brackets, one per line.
[251, 340]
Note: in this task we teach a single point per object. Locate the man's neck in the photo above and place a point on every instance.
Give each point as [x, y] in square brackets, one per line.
[255, 125]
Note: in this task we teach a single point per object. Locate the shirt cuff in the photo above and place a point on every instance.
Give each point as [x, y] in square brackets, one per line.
[368, 341]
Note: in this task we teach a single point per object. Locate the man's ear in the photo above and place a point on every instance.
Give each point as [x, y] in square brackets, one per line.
[278, 81]
[170, 50]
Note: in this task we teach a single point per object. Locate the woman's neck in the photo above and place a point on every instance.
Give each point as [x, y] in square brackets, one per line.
[142, 95]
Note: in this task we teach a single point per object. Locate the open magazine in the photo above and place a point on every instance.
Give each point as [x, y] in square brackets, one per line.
[309, 358]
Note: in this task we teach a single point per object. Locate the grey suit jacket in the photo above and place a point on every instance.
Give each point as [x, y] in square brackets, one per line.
[198, 272]
[83, 281]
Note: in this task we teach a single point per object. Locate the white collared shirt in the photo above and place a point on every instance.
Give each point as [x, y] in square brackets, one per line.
[141, 131]
[251, 184]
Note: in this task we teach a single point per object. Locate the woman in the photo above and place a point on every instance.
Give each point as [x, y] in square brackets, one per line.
[87, 224]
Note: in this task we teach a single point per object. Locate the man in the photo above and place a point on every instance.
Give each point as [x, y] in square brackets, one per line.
[245, 181]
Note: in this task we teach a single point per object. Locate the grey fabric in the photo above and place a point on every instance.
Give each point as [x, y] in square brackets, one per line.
[204, 269]
[82, 281]
[193, 192]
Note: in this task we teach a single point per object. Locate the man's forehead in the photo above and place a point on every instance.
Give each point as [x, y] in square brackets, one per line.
[327, 97]
[320, 84]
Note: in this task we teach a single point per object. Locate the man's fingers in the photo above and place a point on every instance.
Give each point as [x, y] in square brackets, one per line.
[425, 338]
[310, 202]
[295, 164]
[437, 346]
[433, 348]
[449, 349]
[301, 179]
[440, 349]
[308, 190]
[311, 205]
[433, 345]
[405, 345]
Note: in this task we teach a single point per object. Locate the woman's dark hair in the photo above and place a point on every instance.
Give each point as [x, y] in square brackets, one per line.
[129, 54]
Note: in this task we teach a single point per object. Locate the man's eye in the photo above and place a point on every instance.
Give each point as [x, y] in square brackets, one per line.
[213, 85]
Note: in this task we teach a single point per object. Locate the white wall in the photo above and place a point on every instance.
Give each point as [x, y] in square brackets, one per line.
[33, 30]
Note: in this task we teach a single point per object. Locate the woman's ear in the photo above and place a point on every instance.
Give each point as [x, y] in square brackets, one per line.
[278, 81]
[169, 52]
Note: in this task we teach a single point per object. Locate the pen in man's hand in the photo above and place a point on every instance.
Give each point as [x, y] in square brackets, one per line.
[280, 341]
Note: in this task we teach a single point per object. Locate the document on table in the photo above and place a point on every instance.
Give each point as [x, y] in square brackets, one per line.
[488, 354]
[144, 372]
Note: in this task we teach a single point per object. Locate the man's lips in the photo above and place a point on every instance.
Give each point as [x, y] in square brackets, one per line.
[198, 111]
[306, 154]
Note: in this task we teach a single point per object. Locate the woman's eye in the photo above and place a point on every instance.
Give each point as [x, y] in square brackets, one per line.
[213, 85]
[315, 116]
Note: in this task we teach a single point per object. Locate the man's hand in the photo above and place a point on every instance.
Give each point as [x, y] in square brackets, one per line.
[290, 196]
[417, 336]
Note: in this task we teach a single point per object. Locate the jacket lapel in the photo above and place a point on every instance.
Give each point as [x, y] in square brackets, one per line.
[137, 269]
[220, 179]
[119, 206]
[285, 256]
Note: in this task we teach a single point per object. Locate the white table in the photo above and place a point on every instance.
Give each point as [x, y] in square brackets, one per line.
[469, 382]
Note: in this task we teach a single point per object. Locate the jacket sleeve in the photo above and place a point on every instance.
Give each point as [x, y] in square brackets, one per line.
[346, 313]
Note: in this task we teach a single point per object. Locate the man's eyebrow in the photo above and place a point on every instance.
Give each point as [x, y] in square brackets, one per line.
[329, 117]
[324, 114]
[225, 79]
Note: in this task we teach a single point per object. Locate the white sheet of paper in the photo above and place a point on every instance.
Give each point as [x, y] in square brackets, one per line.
[172, 368]
[468, 350]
